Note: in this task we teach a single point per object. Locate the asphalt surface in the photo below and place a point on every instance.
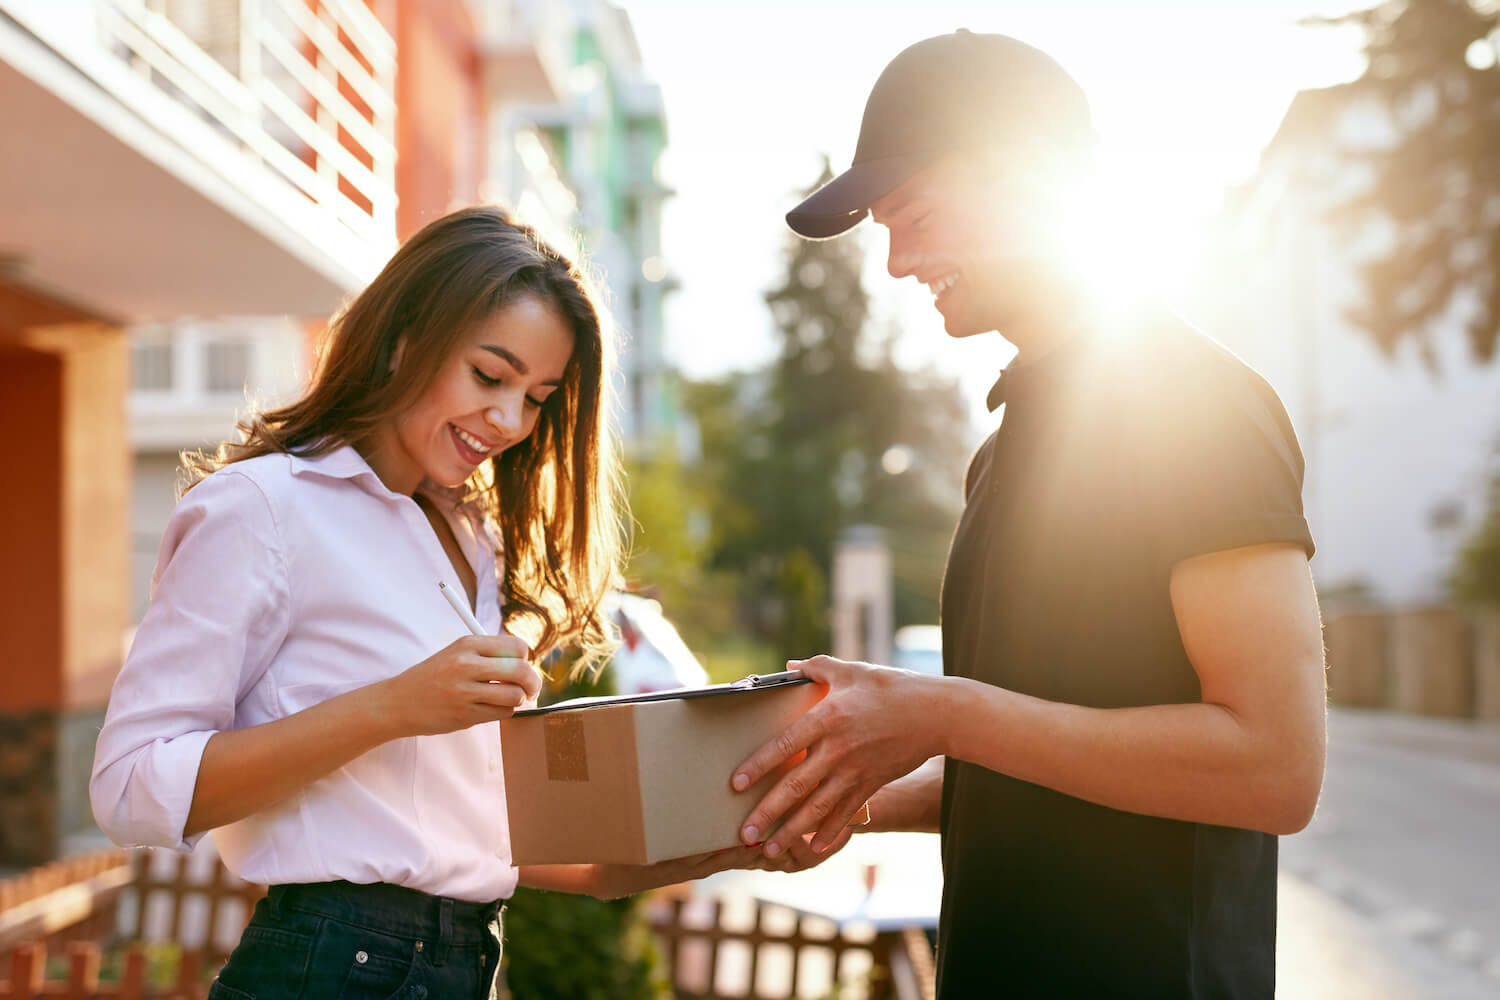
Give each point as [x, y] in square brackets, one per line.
[1393, 891]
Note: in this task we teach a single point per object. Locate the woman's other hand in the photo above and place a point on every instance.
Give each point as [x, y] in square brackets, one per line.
[623, 880]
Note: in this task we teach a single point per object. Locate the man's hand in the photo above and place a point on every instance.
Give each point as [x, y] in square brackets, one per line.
[873, 727]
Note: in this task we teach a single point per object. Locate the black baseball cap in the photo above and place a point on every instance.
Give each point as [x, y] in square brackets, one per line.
[952, 93]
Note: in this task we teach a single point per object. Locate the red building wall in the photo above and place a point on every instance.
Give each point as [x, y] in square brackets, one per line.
[440, 109]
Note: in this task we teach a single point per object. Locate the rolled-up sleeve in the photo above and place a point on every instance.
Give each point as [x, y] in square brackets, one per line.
[219, 611]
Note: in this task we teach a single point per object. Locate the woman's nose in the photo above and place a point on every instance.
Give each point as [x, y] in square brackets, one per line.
[500, 419]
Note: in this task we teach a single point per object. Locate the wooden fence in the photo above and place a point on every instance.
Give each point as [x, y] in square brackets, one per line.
[88, 928]
[1438, 660]
[896, 964]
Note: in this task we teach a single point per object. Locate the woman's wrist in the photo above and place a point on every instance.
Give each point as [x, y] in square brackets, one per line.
[382, 711]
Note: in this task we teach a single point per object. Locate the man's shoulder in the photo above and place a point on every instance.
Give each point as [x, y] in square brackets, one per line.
[1158, 361]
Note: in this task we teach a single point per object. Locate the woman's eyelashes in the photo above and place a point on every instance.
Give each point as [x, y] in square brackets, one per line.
[491, 381]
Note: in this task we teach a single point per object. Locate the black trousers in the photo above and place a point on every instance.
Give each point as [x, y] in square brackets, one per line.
[340, 941]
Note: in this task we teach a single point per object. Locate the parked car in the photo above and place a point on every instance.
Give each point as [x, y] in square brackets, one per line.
[651, 655]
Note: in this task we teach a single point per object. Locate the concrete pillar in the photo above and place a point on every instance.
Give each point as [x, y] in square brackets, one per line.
[1432, 669]
[64, 477]
[863, 604]
[1487, 666]
[1358, 659]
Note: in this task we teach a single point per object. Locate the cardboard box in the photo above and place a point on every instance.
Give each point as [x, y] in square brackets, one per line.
[636, 780]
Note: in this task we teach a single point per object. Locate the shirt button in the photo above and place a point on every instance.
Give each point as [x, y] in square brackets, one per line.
[361, 957]
[419, 946]
[494, 764]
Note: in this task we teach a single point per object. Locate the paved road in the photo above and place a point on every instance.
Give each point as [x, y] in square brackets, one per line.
[1393, 891]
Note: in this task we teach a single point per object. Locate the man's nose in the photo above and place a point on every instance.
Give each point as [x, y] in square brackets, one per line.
[901, 261]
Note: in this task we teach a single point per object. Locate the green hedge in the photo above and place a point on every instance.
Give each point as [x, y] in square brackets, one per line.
[562, 947]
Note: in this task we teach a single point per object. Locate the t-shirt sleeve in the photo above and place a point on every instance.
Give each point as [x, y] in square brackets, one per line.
[1220, 466]
[218, 613]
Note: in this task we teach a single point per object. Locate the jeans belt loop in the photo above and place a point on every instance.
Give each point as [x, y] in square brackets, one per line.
[445, 930]
[275, 897]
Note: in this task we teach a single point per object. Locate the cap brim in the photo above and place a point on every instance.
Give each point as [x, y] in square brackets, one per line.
[839, 205]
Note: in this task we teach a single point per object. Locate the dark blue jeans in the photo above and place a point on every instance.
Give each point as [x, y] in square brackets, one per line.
[340, 941]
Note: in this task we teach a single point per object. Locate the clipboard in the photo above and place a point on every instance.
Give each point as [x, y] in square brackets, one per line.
[752, 682]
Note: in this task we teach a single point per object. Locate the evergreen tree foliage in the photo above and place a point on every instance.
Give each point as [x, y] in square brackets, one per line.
[796, 452]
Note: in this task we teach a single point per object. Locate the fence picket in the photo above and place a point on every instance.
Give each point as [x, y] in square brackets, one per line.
[83, 970]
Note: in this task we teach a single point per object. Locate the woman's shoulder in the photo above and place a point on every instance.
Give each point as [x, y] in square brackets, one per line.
[269, 473]
[259, 483]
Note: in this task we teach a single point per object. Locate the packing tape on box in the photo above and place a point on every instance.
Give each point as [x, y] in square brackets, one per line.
[567, 755]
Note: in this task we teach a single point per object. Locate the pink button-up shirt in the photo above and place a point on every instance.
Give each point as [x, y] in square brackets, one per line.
[282, 582]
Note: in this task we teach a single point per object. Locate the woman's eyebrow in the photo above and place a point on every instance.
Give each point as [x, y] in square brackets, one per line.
[510, 357]
[521, 367]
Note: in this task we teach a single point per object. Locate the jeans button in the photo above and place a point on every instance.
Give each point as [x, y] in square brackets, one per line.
[361, 957]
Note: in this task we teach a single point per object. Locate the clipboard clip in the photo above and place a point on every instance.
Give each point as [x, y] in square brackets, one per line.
[767, 680]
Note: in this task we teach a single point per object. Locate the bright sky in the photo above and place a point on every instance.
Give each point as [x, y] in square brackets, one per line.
[1185, 93]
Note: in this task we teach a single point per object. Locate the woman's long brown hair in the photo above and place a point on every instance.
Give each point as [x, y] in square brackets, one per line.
[556, 498]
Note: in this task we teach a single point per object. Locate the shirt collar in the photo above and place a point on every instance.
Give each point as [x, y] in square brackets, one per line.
[1019, 374]
[342, 462]
[345, 462]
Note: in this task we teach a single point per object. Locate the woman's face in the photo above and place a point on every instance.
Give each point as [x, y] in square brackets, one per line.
[485, 398]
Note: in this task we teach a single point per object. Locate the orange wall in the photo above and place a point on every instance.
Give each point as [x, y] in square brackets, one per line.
[31, 585]
[440, 123]
[95, 510]
[64, 494]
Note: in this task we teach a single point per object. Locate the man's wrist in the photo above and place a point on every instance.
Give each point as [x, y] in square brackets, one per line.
[936, 709]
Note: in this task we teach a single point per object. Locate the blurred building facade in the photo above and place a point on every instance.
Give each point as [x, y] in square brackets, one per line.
[1398, 448]
[147, 177]
[604, 130]
[203, 183]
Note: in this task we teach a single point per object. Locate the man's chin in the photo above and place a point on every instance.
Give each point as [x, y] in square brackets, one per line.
[959, 327]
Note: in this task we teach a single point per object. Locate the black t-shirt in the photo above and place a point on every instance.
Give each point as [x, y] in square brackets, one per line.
[1119, 455]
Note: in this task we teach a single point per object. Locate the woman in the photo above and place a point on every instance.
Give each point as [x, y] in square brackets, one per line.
[283, 688]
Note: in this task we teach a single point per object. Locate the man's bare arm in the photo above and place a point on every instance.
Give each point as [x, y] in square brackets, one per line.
[1249, 755]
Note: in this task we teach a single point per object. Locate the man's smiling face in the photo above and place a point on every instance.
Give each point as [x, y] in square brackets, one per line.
[984, 241]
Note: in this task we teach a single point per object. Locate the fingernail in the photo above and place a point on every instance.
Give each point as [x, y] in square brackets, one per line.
[819, 845]
[741, 782]
[773, 849]
[750, 834]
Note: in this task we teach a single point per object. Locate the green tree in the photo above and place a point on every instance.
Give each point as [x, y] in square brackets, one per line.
[832, 433]
[1432, 66]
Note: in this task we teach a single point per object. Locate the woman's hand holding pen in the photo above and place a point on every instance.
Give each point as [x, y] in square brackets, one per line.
[474, 679]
